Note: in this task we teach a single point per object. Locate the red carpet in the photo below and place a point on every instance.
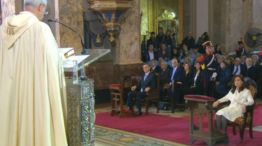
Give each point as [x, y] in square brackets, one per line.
[173, 129]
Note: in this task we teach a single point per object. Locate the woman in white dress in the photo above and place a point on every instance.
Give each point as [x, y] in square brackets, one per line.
[239, 97]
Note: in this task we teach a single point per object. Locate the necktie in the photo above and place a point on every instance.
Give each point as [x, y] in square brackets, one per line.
[236, 70]
[174, 72]
[145, 77]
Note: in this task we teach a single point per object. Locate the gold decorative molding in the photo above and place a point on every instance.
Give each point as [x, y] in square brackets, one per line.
[110, 5]
[111, 12]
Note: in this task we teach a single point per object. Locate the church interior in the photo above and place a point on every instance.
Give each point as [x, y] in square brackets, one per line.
[162, 45]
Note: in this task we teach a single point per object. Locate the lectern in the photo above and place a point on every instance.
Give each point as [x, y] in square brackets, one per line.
[80, 102]
[202, 105]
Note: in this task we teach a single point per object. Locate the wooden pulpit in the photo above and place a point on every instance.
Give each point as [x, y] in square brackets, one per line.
[202, 105]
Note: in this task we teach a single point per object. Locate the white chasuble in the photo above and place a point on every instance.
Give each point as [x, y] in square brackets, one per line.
[32, 87]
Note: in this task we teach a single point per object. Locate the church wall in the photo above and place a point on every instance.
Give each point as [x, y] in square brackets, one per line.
[127, 49]
[187, 18]
[201, 17]
[217, 16]
[71, 13]
[257, 15]
[238, 23]
[231, 20]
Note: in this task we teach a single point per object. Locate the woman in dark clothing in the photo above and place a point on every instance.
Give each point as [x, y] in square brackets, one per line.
[197, 80]
[188, 81]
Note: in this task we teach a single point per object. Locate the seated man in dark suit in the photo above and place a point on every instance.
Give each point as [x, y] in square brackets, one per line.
[151, 54]
[164, 76]
[251, 71]
[139, 92]
[237, 68]
[176, 82]
[155, 68]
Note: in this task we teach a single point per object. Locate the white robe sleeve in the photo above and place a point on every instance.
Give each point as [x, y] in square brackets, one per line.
[225, 98]
[1, 52]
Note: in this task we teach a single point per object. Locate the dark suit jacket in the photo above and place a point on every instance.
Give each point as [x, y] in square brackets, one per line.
[188, 82]
[166, 56]
[164, 77]
[150, 81]
[178, 77]
[147, 57]
[224, 78]
[242, 69]
[156, 70]
[197, 87]
[252, 72]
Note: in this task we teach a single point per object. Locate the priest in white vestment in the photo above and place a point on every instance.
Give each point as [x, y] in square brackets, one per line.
[32, 95]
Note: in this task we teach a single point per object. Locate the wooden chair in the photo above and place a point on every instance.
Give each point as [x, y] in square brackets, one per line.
[245, 121]
[117, 92]
[152, 95]
[117, 101]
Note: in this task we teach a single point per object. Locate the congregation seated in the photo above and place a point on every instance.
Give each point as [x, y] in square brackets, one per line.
[211, 75]
[139, 92]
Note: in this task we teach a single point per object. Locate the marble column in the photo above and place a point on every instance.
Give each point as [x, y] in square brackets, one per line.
[202, 18]
[257, 7]
[230, 21]
[237, 22]
[71, 14]
[181, 19]
[7, 7]
[127, 51]
[53, 13]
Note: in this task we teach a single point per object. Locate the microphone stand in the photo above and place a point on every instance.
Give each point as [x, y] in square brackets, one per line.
[84, 51]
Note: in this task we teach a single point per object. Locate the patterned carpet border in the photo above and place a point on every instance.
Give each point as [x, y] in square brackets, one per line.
[114, 137]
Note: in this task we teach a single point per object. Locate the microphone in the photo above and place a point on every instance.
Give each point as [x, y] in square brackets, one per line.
[84, 51]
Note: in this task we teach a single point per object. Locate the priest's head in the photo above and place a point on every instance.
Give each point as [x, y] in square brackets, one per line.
[37, 7]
